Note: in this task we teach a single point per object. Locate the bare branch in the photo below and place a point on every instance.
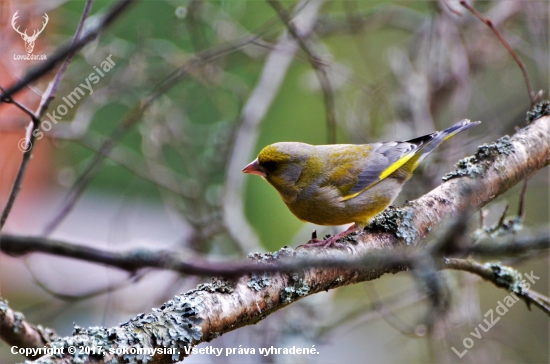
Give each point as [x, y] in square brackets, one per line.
[22, 107]
[521, 208]
[511, 246]
[78, 42]
[60, 55]
[185, 262]
[192, 264]
[131, 119]
[513, 53]
[317, 64]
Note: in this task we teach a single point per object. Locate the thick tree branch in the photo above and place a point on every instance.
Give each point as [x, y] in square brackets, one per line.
[214, 309]
[494, 169]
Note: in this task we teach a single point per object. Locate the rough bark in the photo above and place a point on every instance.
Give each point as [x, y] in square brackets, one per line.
[213, 309]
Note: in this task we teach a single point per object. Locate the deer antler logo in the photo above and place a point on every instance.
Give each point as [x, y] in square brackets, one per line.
[29, 41]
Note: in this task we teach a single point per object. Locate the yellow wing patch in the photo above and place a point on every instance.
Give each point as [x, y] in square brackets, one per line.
[385, 173]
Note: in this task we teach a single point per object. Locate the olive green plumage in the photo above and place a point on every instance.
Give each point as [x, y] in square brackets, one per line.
[344, 183]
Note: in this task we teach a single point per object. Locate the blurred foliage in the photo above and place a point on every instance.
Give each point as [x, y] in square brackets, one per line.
[398, 70]
[364, 44]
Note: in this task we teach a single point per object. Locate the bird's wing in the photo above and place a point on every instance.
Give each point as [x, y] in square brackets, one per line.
[387, 158]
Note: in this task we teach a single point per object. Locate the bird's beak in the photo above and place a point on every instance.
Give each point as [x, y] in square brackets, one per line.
[254, 168]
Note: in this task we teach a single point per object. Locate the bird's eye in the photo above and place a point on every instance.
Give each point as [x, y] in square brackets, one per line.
[270, 166]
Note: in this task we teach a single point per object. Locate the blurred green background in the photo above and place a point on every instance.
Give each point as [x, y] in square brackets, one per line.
[398, 69]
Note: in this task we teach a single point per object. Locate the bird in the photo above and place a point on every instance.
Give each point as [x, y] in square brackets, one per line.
[338, 184]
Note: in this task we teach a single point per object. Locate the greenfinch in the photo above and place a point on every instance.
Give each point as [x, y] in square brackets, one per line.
[343, 183]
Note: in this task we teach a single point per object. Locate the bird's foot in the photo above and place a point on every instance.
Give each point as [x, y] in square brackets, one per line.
[329, 241]
[322, 243]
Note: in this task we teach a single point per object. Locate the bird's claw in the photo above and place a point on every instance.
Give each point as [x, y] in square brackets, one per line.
[329, 241]
[325, 244]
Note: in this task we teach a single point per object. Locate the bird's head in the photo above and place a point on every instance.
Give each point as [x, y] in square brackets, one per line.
[281, 164]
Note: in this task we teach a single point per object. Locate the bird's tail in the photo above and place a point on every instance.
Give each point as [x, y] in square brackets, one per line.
[440, 136]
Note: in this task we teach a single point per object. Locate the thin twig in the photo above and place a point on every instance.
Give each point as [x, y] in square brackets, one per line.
[521, 209]
[382, 16]
[511, 246]
[253, 112]
[387, 314]
[365, 313]
[46, 66]
[451, 8]
[317, 64]
[76, 38]
[131, 119]
[157, 174]
[92, 292]
[518, 60]
[26, 110]
[482, 215]
[78, 42]
[502, 217]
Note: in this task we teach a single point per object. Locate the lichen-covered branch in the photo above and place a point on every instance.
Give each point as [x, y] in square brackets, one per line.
[16, 331]
[213, 309]
[504, 277]
[222, 306]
